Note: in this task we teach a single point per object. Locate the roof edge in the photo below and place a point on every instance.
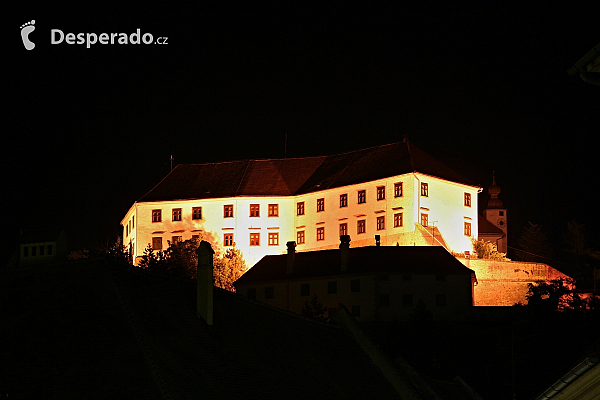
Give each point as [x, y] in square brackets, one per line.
[405, 389]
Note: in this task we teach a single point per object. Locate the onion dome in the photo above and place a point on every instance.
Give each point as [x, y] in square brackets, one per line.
[494, 191]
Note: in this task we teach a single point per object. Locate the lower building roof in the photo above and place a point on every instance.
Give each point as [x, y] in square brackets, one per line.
[100, 329]
[413, 260]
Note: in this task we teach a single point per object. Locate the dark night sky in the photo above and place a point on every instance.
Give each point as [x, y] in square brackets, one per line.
[483, 86]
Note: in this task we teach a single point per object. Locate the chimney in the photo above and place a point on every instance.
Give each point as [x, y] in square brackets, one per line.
[377, 240]
[204, 302]
[291, 256]
[344, 251]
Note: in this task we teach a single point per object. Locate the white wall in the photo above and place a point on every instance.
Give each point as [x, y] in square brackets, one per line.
[445, 205]
[446, 210]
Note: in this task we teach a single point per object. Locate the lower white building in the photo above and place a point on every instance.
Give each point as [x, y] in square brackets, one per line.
[395, 191]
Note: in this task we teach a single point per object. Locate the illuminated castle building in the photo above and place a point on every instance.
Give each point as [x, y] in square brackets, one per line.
[395, 191]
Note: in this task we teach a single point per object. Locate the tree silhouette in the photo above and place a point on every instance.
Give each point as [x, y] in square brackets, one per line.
[180, 260]
[488, 250]
[314, 309]
[228, 268]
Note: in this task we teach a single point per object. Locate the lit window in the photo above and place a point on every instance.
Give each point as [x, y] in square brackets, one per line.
[467, 229]
[397, 220]
[361, 226]
[156, 243]
[228, 211]
[156, 215]
[343, 229]
[425, 220]
[273, 238]
[398, 189]
[255, 210]
[424, 189]
[380, 193]
[273, 210]
[320, 205]
[300, 208]
[228, 239]
[380, 223]
[440, 300]
[305, 289]
[344, 200]
[332, 287]
[355, 285]
[467, 199]
[269, 292]
[196, 212]
[300, 237]
[321, 233]
[362, 196]
[177, 214]
[255, 239]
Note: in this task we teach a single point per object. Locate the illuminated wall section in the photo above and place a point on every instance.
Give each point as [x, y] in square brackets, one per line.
[255, 234]
[445, 208]
[377, 215]
[505, 283]
[372, 208]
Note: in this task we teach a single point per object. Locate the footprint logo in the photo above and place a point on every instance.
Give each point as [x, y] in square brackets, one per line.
[26, 29]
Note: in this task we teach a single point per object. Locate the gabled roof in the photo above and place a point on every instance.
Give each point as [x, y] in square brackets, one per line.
[485, 227]
[103, 329]
[292, 176]
[41, 235]
[413, 260]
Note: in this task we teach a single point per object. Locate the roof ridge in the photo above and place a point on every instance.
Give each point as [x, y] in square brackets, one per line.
[242, 177]
[161, 181]
[255, 159]
[297, 176]
[295, 158]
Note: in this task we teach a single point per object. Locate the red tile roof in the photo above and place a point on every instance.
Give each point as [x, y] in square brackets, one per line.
[413, 260]
[485, 227]
[286, 177]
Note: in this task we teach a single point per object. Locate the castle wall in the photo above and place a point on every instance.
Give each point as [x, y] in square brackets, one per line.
[504, 283]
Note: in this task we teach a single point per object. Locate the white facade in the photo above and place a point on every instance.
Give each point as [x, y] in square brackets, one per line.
[444, 204]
